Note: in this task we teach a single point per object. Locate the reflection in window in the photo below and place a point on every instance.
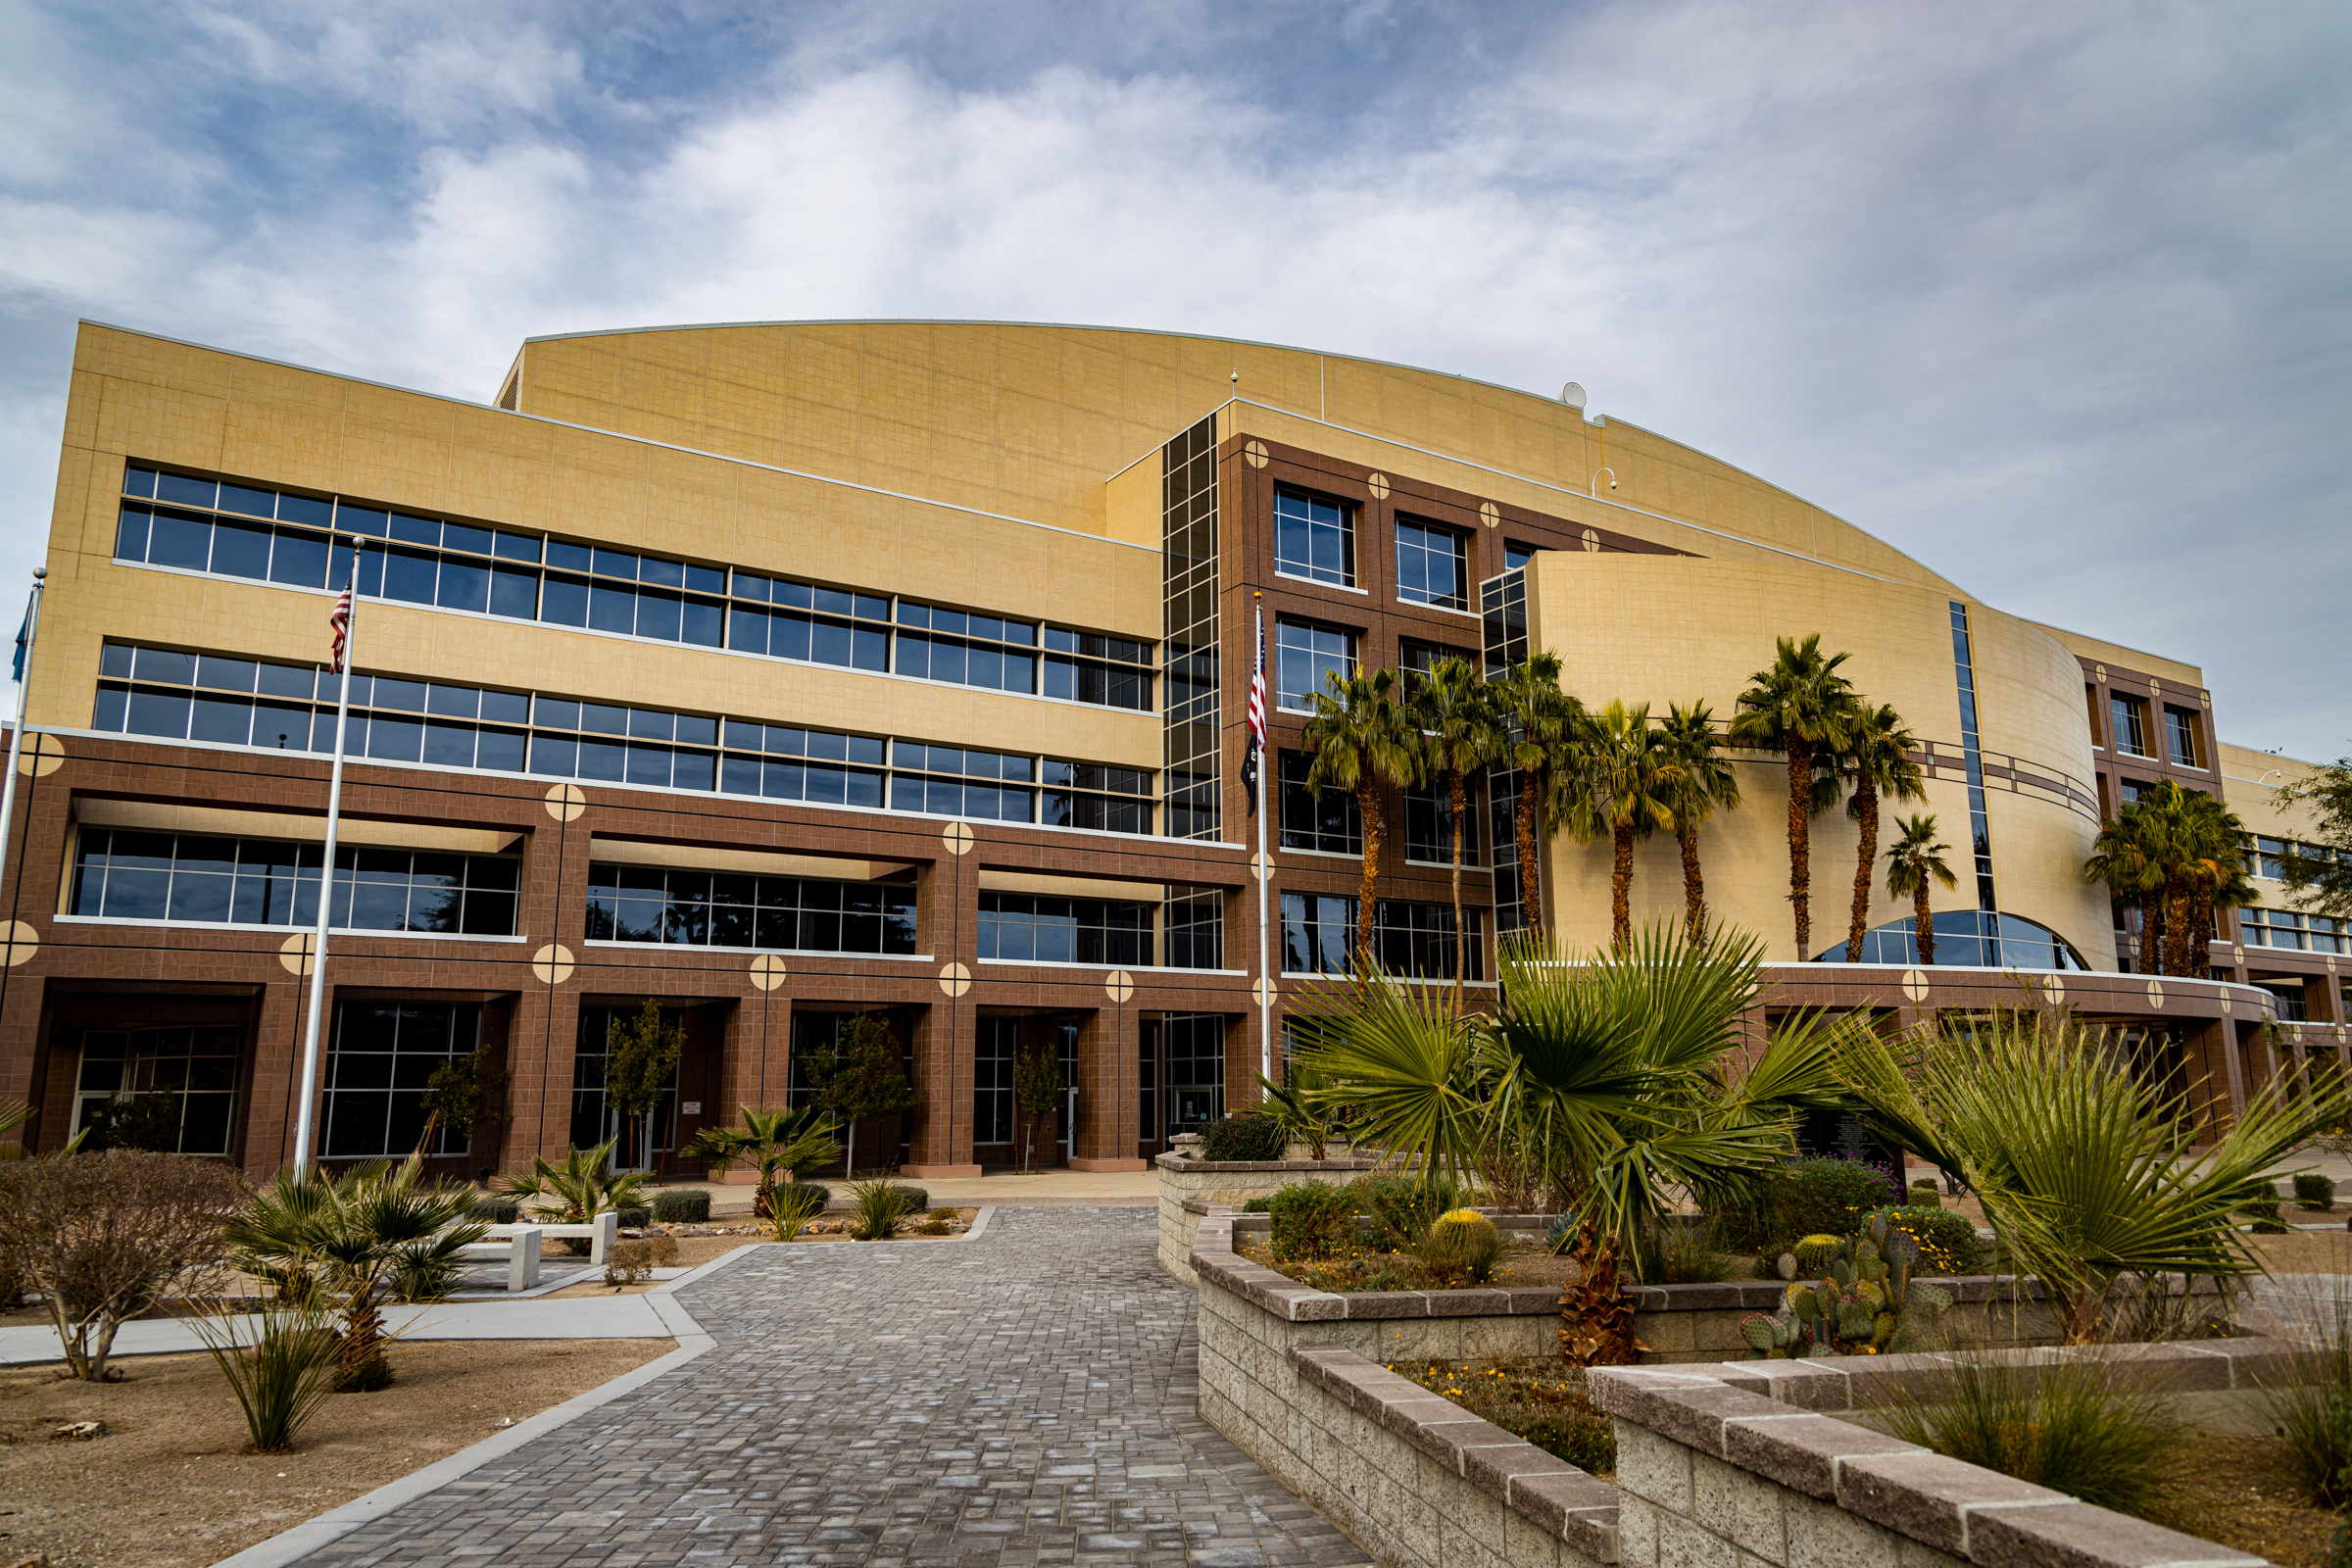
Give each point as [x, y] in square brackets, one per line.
[120, 874]
[593, 1119]
[195, 1064]
[1306, 657]
[2131, 715]
[1318, 936]
[1033, 928]
[1433, 565]
[1429, 825]
[738, 910]
[378, 1066]
[2289, 928]
[2181, 737]
[996, 1042]
[1326, 821]
[1314, 537]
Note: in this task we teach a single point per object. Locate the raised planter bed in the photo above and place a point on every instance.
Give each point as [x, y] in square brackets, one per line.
[1185, 1181]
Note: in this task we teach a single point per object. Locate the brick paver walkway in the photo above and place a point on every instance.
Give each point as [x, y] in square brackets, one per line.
[1023, 1398]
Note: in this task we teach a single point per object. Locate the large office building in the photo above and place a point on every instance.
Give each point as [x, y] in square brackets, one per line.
[786, 672]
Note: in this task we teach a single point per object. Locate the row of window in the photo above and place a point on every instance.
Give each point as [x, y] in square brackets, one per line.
[246, 701]
[272, 536]
[1330, 822]
[1318, 937]
[2268, 858]
[1314, 537]
[2288, 928]
[125, 875]
[2128, 719]
[727, 910]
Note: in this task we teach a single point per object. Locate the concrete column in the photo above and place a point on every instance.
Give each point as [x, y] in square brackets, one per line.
[2216, 1082]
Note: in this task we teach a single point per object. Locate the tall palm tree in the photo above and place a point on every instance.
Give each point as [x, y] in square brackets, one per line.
[1539, 722]
[1913, 861]
[1362, 740]
[1877, 759]
[1623, 785]
[1708, 781]
[1459, 736]
[2130, 857]
[1797, 706]
[2214, 840]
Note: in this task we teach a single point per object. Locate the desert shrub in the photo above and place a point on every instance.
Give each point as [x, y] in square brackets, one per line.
[793, 1205]
[2313, 1190]
[824, 1193]
[1808, 1196]
[935, 1227]
[1925, 1194]
[632, 1262]
[634, 1219]
[1948, 1243]
[917, 1198]
[1258, 1204]
[1243, 1137]
[1529, 1401]
[1685, 1255]
[1312, 1219]
[2094, 1429]
[104, 1237]
[878, 1209]
[282, 1377]
[497, 1210]
[2309, 1401]
[2263, 1210]
[685, 1206]
[1402, 1209]
[943, 1213]
[1460, 1248]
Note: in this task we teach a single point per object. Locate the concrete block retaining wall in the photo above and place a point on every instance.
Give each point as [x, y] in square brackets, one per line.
[1185, 1181]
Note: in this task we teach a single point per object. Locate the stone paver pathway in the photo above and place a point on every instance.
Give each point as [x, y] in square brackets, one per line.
[1024, 1397]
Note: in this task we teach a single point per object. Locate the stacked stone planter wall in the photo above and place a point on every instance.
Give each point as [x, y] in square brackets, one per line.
[1186, 1180]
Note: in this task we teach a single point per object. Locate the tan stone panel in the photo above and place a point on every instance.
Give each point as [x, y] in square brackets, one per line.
[702, 858]
[159, 817]
[2168, 671]
[1131, 509]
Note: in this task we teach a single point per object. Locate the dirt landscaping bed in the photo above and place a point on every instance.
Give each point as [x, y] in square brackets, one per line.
[172, 1485]
[1522, 1263]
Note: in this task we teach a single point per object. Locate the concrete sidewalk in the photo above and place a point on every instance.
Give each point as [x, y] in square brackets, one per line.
[1047, 1188]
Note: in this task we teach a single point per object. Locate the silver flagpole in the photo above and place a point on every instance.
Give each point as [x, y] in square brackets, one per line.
[1264, 867]
[326, 873]
[15, 736]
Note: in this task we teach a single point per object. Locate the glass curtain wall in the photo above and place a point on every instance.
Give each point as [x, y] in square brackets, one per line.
[1193, 771]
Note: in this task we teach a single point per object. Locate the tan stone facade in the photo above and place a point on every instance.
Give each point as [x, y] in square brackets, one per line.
[1011, 474]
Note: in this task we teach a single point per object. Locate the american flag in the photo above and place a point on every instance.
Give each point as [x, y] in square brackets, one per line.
[340, 621]
[1257, 718]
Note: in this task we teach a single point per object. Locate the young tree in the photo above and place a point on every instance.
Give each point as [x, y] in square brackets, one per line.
[2321, 880]
[1622, 785]
[1539, 721]
[1708, 782]
[641, 1057]
[1362, 740]
[1877, 759]
[1798, 706]
[1459, 736]
[466, 1094]
[1036, 1087]
[859, 1076]
[1913, 861]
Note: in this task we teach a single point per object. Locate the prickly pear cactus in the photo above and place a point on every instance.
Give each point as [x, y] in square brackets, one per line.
[1862, 1303]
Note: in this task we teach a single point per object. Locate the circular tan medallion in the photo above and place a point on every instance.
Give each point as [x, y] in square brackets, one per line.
[1263, 864]
[2054, 988]
[295, 953]
[1377, 484]
[958, 837]
[20, 942]
[2100, 671]
[1118, 985]
[566, 802]
[768, 971]
[1489, 512]
[2155, 993]
[1593, 540]
[42, 755]
[1262, 989]
[954, 979]
[552, 964]
[1255, 451]
[1915, 985]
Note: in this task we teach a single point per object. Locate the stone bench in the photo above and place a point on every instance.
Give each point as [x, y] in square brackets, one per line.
[517, 1245]
[599, 1233]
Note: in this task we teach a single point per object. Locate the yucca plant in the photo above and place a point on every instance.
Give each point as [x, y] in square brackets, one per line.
[878, 1209]
[791, 1208]
[2084, 1169]
[283, 1374]
[373, 1233]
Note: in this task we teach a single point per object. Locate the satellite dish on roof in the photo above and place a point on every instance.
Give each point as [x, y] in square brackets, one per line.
[1573, 395]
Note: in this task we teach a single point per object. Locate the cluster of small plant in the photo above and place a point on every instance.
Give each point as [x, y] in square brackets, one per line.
[1535, 1400]
[2316, 1192]
[1243, 1137]
[1925, 1194]
[2263, 1210]
[1378, 1233]
[633, 1262]
[942, 1222]
[1948, 1245]
[1849, 1296]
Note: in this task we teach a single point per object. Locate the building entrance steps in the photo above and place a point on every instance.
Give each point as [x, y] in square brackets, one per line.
[1023, 1396]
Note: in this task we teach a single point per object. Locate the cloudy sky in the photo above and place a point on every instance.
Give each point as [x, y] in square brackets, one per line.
[2055, 298]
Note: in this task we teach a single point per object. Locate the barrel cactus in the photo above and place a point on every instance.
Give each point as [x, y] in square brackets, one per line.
[1463, 1244]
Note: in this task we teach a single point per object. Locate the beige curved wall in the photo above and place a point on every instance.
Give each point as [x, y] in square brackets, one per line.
[1678, 629]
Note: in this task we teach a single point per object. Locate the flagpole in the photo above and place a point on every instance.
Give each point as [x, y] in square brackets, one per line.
[326, 868]
[15, 736]
[1264, 869]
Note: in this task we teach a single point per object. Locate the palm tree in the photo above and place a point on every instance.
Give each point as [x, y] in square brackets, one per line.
[1539, 721]
[1624, 786]
[1708, 781]
[1913, 861]
[1362, 740]
[2130, 857]
[774, 1140]
[2214, 840]
[1797, 706]
[1458, 733]
[1877, 759]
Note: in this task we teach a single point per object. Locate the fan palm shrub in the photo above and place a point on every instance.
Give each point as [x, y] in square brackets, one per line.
[1459, 735]
[1360, 739]
[1707, 783]
[1296, 1108]
[1799, 706]
[576, 1191]
[775, 1142]
[1914, 860]
[1876, 760]
[373, 1233]
[2082, 1168]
